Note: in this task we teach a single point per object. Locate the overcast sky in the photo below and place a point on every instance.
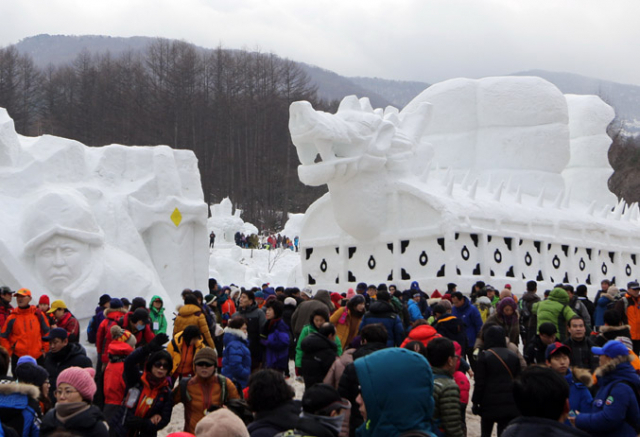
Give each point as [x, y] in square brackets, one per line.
[423, 40]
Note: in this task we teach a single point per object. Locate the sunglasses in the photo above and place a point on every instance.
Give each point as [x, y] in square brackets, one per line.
[161, 365]
[204, 364]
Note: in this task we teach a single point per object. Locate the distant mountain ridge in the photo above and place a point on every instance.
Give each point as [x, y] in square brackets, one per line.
[625, 99]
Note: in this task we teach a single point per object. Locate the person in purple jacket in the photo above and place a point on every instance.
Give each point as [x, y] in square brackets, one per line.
[275, 338]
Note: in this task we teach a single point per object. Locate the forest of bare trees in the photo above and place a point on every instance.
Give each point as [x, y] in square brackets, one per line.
[230, 107]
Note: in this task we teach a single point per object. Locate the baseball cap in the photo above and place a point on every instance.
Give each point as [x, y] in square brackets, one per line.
[611, 349]
[556, 347]
[23, 292]
[633, 285]
[57, 305]
[4, 289]
[60, 333]
[321, 399]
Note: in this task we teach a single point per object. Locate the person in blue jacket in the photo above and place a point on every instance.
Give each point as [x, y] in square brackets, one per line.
[236, 357]
[381, 311]
[470, 317]
[414, 308]
[615, 410]
[396, 393]
[275, 338]
[558, 359]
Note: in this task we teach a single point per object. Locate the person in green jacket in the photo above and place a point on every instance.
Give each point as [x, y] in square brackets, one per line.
[553, 309]
[318, 317]
[156, 313]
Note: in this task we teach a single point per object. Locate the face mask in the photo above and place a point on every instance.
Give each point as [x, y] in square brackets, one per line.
[140, 326]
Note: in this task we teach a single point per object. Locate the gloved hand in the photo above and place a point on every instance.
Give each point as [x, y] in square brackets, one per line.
[476, 353]
[158, 341]
[475, 409]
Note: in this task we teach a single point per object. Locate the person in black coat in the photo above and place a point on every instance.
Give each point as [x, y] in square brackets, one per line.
[271, 400]
[62, 355]
[319, 351]
[449, 326]
[495, 371]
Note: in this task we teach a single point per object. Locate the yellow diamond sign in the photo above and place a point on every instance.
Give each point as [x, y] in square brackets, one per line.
[176, 217]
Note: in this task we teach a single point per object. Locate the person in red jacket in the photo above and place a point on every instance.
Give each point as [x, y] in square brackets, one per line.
[5, 304]
[64, 319]
[23, 330]
[112, 315]
[139, 324]
[114, 385]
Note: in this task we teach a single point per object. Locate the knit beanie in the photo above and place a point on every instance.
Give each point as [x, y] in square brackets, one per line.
[207, 355]
[613, 291]
[350, 293]
[31, 374]
[26, 359]
[290, 301]
[120, 334]
[221, 422]
[116, 304]
[81, 379]
[44, 299]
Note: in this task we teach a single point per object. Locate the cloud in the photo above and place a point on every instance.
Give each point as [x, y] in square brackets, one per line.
[427, 40]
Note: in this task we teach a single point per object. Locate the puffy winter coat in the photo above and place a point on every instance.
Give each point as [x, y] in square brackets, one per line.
[255, 323]
[103, 337]
[611, 333]
[183, 354]
[581, 355]
[302, 314]
[23, 331]
[90, 422]
[446, 394]
[142, 337]
[319, 353]
[601, 306]
[348, 328]
[451, 327]
[309, 329]
[114, 386]
[5, 310]
[158, 320]
[422, 333]
[275, 339]
[72, 355]
[19, 408]
[470, 318]
[549, 311]
[615, 410]
[382, 312]
[580, 398]
[337, 368]
[192, 315]
[512, 331]
[414, 311]
[70, 324]
[236, 357]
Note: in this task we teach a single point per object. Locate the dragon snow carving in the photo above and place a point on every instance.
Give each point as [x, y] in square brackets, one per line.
[362, 150]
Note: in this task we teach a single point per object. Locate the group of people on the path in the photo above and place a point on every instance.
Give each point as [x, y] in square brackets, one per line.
[375, 361]
[267, 241]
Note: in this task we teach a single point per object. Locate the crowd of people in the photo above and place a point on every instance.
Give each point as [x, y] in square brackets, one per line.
[375, 361]
[266, 241]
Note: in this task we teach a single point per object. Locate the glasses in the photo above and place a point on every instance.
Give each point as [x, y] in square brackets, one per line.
[161, 365]
[59, 393]
[204, 364]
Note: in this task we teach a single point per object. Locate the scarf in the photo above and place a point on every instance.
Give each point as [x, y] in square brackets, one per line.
[151, 388]
[67, 410]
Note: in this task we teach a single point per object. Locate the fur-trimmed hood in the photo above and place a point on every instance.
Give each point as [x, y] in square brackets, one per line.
[115, 310]
[583, 376]
[20, 388]
[612, 366]
[605, 328]
[237, 332]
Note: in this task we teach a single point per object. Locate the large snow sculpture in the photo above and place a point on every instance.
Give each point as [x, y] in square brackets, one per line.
[80, 221]
[502, 210]
[225, 224]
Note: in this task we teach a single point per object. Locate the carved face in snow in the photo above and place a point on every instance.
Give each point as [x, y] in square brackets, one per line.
[60, 261]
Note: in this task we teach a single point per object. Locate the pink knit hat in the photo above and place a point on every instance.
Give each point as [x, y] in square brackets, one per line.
[80, 379]
[350, 293]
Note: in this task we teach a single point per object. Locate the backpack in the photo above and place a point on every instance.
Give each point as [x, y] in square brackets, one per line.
[224, 395]
[611, 305]
[92, 330]
[525, 312]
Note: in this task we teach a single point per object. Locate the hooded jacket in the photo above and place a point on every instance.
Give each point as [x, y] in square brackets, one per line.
[19, 408]
[23, 331]
[72, 355]
[397, 389]
[309, 329]
[615, 406]
[318, 354]
[580, 398]
[610, 333]
[114, 386]
[549, 311]
[451, 327]
[70, 324]
[103, 338]
[446, 394]
[300, 317]
[382, 312]
[422, 333]
[192, 315]
[158, 320]
[470, 317]
[179, 352]
[236, 357]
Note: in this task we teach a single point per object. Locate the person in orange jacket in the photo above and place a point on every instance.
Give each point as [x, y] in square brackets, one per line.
[24, 329]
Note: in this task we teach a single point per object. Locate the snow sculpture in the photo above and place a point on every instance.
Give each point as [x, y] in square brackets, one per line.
[81, 221]
[225, 224]
[510, 205]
